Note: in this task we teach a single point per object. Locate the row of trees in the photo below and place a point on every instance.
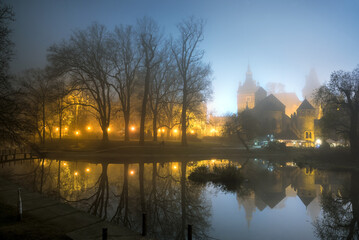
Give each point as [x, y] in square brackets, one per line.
[132, 69]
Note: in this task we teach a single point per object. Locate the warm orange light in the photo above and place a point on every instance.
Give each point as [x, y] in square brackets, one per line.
[89, 128]
[213, 130]
[65, 164]
[57, 129]
[88, 169]
[133, 128]
[77, 133]
[163, 130]
[174, 167]
[132, 172]
[159, 130]
[76, 173]
[192, 131]
[175, 131]
[108, 129]
[66, 128]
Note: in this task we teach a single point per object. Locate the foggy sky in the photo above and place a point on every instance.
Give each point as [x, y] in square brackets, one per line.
[282, 40]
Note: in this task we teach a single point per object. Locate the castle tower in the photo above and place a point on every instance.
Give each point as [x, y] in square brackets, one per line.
[306, 114]
[246, 93]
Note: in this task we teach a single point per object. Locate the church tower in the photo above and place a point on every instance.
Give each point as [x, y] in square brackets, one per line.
[249, 93]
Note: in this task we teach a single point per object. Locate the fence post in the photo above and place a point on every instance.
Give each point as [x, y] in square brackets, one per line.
[189, 232]
[19, 205]
[104, 233]
[144, 229]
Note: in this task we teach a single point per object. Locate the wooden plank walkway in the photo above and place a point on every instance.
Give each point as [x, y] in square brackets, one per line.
[77, 225]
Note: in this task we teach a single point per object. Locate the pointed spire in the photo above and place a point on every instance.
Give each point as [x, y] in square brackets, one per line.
[249, 74]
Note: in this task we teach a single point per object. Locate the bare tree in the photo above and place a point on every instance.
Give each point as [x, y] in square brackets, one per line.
[194, 74]
[149, 40]
[162, 85]
[36, 87]
[125, 59]
[85, 56]
[62, 88]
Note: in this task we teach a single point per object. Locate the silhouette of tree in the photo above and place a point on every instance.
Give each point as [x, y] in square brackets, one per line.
[14, 124]
[149, 41]
[125, 59]
[194, 74]
[340, 214]
[85, 57]
[341, 94]
[37, 92]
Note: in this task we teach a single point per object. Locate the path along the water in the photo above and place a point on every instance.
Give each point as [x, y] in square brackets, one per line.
[74, 223]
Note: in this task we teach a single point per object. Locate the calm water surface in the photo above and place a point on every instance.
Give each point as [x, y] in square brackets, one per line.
[271, 201]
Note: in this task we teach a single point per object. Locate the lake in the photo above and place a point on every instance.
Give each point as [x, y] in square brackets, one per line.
[270, 201]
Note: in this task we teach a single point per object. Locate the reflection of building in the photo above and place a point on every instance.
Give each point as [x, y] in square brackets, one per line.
[270, 186]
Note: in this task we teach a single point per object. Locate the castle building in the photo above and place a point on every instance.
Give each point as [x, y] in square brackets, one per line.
[272, 112]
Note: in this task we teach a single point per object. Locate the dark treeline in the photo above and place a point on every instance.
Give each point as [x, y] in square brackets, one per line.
[131, 76]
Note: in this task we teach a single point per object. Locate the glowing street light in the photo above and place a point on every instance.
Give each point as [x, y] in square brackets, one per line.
[76, 173]
[132, 172]
[133, 128]
[88, 170]
[175, 131]
[65, 164]
[108, 129]
[89, 128]
[163, 130]
[77, 133]
[192, 131]
[57, 129]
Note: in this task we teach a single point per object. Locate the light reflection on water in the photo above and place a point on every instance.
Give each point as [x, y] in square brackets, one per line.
[272, 201]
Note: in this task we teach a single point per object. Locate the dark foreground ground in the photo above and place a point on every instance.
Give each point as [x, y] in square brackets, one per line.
[28, 228]
[48, 218]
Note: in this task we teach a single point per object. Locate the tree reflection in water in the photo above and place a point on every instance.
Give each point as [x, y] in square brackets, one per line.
[340, 212]
[162, 190]
[172, 202]
[122, 212]
[101, 196]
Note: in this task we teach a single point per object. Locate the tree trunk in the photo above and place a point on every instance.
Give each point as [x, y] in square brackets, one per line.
[154, 127]
[105, 134]
[127, 123]
[184, 115]
[60, 125]
[144, 105]
[43, 122]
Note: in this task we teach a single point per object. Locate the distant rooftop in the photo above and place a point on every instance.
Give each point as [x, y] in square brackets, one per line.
[305, 105]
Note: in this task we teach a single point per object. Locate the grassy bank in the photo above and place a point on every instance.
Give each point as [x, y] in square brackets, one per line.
[118, 151]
